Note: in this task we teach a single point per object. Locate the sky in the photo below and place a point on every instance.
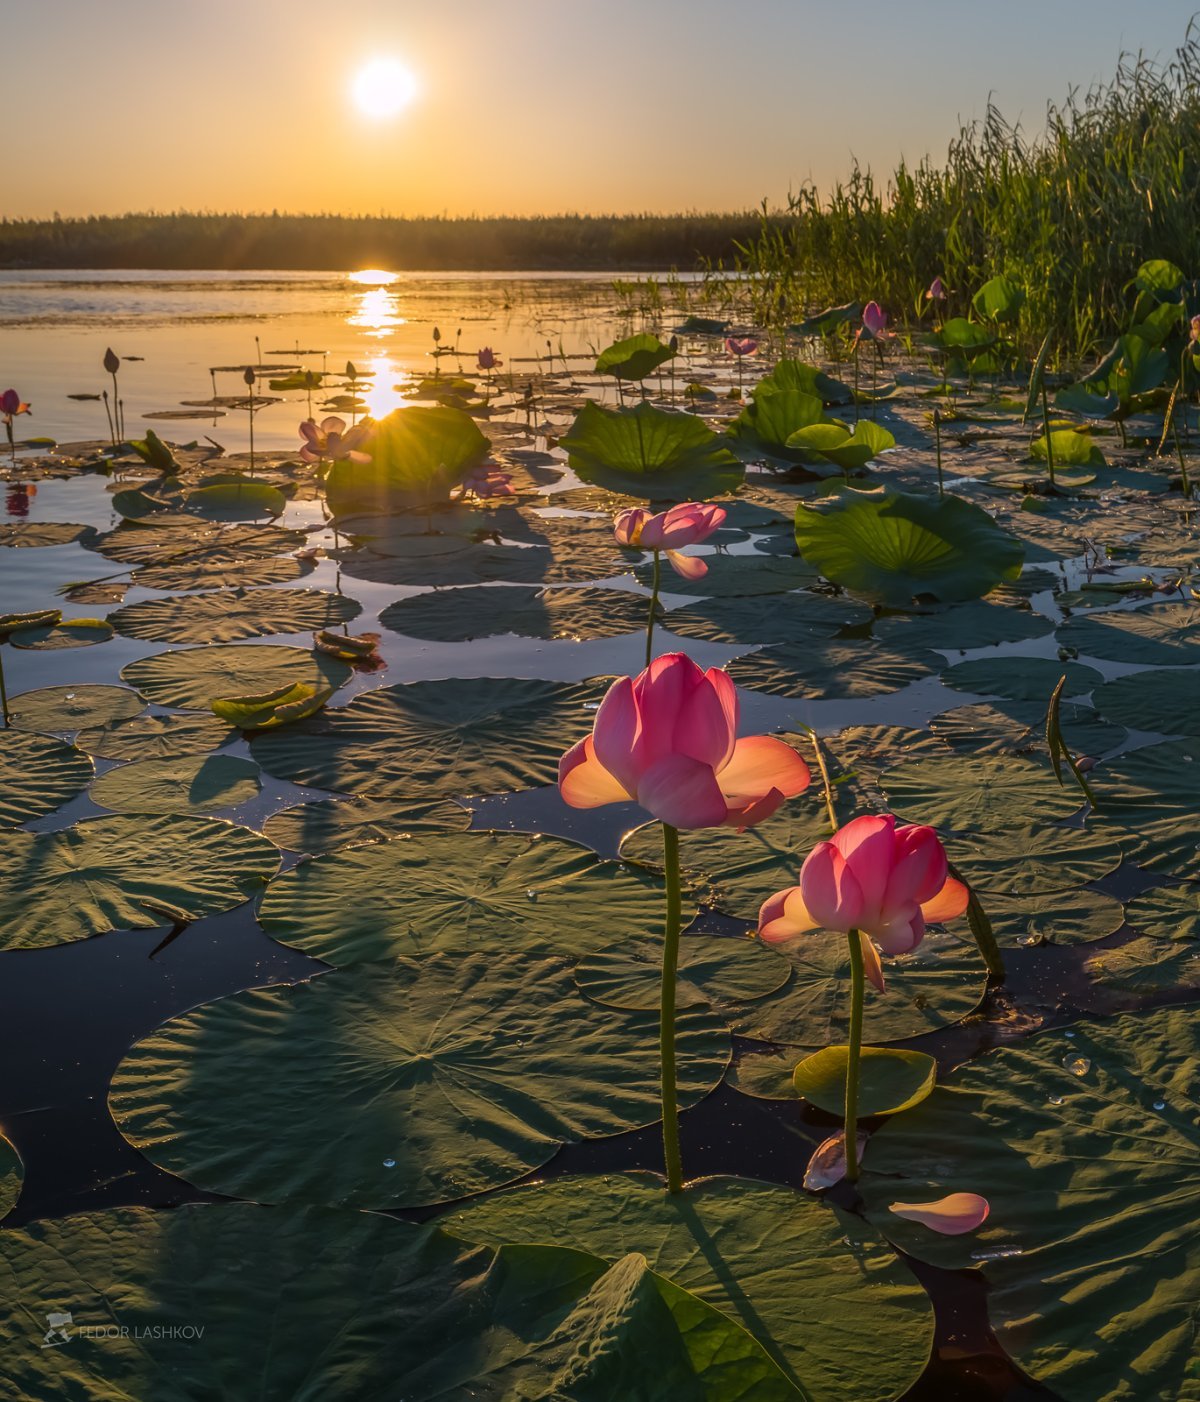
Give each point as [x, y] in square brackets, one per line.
[521, 106]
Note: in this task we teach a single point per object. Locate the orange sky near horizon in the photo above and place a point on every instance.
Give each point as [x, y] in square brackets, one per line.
[525, 107]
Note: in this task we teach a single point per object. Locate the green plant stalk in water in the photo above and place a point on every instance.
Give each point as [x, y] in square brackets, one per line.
[1046, 433]
[4, 711]
[857, 990]
[1185, 483]
[981, 928]
[937, 438]
[653, 608]
[666, 1022]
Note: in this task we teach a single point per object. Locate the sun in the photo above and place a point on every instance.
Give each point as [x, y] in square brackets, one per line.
[383, 88]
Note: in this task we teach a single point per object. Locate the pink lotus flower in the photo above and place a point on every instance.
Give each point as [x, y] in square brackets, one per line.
[937, 291]
[483, 482]
[11, 405]
[741, 345]
[332, 441]
[487, 359]
[952, 1215]
[667, 740]
[1192, 339]
[687, 524]
[874, 323]
[883, 881]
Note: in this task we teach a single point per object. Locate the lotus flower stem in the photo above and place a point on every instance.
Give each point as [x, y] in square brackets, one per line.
[857, 989]
[1046, 433]
[112, 431]
[1185, 484]
[830, 806]
[937, 438]
[4, 698]
[981, 927]
[653, 608]
[666, 1023]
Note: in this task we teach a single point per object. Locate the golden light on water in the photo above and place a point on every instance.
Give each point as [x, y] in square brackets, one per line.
[382, 396]
[373, 277]
[375, 312]
[383, 88]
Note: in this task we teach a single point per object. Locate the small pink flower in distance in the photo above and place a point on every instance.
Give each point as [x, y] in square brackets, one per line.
[741, 345]
[874, 877]
[937, 291]
[11, 405]
[952, 1215]
[874, 323]
[487, 359]
[667, 739]
[483, 482]
[1192, 339]
[687, 524]
[332, 441]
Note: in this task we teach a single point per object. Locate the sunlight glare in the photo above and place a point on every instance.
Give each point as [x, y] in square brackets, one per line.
[373, 277]
[382, 396]
[383, 88]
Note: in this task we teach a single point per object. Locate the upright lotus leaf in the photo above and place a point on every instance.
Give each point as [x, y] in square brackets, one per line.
[243, 500]
[807, 379]
[894, 547]
[38, 774]
[825, 323]
[1131, 370]
[323, 1304]
[399, 1084]
[154, 452]
[848, 449]
[459, 891]
[768, 422]
[648, 452]
[1158, 323]
[634, 358]
[189, 678]
[230, 615]
[120, 873]
[999, 300]
[417, 456]
[1071, 447]
[839, 1312]
[1085, 1144]
[1159, 277]
[965, 340]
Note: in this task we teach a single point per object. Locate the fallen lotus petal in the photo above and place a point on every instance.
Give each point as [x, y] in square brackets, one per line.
[828, 1163]
[952, 1215]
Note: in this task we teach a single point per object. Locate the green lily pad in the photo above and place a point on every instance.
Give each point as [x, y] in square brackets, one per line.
[69, 632]
[1148, 799]
[822, 669]
[1162, 700]
[978, 793]
[1167, 913]
[801, 1274]
[714, 970]
[37, 775]
[223, 569]
[895, 547]
[795, 617]
[233, 614]
[1036, 859]
[193, 542]
[1021, 678]
[1091, 1180]
[847, 448]
[1147, 966]
[417, 455]
[333, 823]
[769, 421]
[236, 501]
[67, 708]
[38, 534]
[12, 1171]
[1055, 917]
[889, 1080]
[189, 784]
[634, 358]
[327, 1303]
[1003, 726]
[190, 678]
[485, 611]
[968, 625]
[736, 576]
[1159, 635]
[657, 454]
[123, 873]
[155, 737]
[399, 1084]
[476, 736]
[459, 891]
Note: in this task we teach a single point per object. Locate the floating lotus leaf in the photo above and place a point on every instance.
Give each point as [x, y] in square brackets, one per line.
[1037, 859]
[890, 1080]
[223, 569]
[1149, 805]
[155, 737]
[1147, 966]
[236, 501]
[37, 775]
[1093, 1189]
[195, 542]
[737, 576]
[328, 1303]
[333, 823]
[37, 534]
[769, 421]
[802, 1274]
[1055, 917]
[848, 449]
[1160, 635]
[1021, 678]
[446, 561]
[190, 678]
[832, 668]
[124, 873]
[459, 891]
[67, 708]
[1162, 700]
[1167, 913]
[399, 1084]
[894, 547]
[12, 1170]
[267, 710]
[70, 632]
[714, 970]
[653, 453]
[807, 379]
[978, 793]
[458, 615]
[634, 358]
[39, 618]
[779, 618]
[475, 736]
[191, 784]
[417, 456]
[233, 614]
[998, 727]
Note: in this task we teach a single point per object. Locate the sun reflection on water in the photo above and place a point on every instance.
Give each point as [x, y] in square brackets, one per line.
[382, 396]
[373, 277]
